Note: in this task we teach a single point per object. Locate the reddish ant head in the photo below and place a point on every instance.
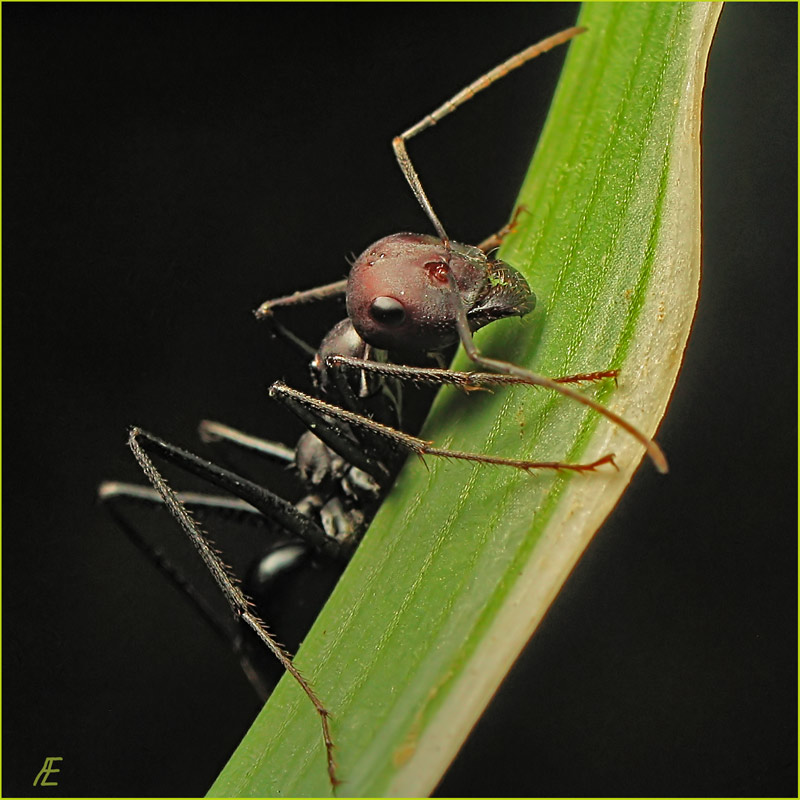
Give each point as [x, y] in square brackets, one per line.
[398, 292]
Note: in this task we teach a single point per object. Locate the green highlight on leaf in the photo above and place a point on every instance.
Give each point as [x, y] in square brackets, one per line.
[463, 560]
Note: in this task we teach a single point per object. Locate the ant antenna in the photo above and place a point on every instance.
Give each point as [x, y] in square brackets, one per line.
[486, 80]
[459, 312]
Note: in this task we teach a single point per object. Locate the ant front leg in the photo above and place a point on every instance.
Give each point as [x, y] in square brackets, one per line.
[504, 367]
[506, 375]
[265, 312]
[467, 381]
[325, 292]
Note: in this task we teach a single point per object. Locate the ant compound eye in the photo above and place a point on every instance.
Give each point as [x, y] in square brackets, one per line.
[437, 271]
[387, 311]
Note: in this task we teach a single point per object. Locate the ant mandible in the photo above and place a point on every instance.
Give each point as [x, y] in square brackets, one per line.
[408, 296]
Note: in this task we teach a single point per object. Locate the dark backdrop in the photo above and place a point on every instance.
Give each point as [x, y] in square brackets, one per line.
[167, 167]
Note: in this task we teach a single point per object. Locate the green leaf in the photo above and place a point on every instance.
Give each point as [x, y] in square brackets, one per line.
[463, 560]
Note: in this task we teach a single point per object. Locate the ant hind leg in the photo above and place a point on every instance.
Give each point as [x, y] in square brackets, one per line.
[141, 444]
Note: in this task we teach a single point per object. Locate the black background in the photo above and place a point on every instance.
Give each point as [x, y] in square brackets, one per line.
[166, 168]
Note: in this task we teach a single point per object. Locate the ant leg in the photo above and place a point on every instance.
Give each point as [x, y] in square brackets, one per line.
[300, 298]
[111, 492]
[279, 330]
[468, 381]
[315, 408]
[316, 417]
[589, 377]
[388, 414]
[496, 239]
[214, 432]
[268, 503]
[226, 581]
[399, 142]
[465, 335]
[265, 312]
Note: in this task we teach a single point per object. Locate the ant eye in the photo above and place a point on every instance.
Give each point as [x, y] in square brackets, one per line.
[437, 270]
[387, 311]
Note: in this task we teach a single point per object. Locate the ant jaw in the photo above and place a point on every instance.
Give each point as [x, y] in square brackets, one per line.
[506, 294]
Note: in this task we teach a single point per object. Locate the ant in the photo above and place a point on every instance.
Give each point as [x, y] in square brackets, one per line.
[410, 298]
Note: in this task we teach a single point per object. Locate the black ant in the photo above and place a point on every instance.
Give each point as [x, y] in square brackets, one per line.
[410, 297]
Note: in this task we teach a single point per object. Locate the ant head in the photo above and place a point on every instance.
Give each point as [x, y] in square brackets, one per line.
[399, 292]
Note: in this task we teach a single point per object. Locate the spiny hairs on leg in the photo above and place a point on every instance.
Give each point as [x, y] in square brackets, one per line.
[414, 444]
[242, 606]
